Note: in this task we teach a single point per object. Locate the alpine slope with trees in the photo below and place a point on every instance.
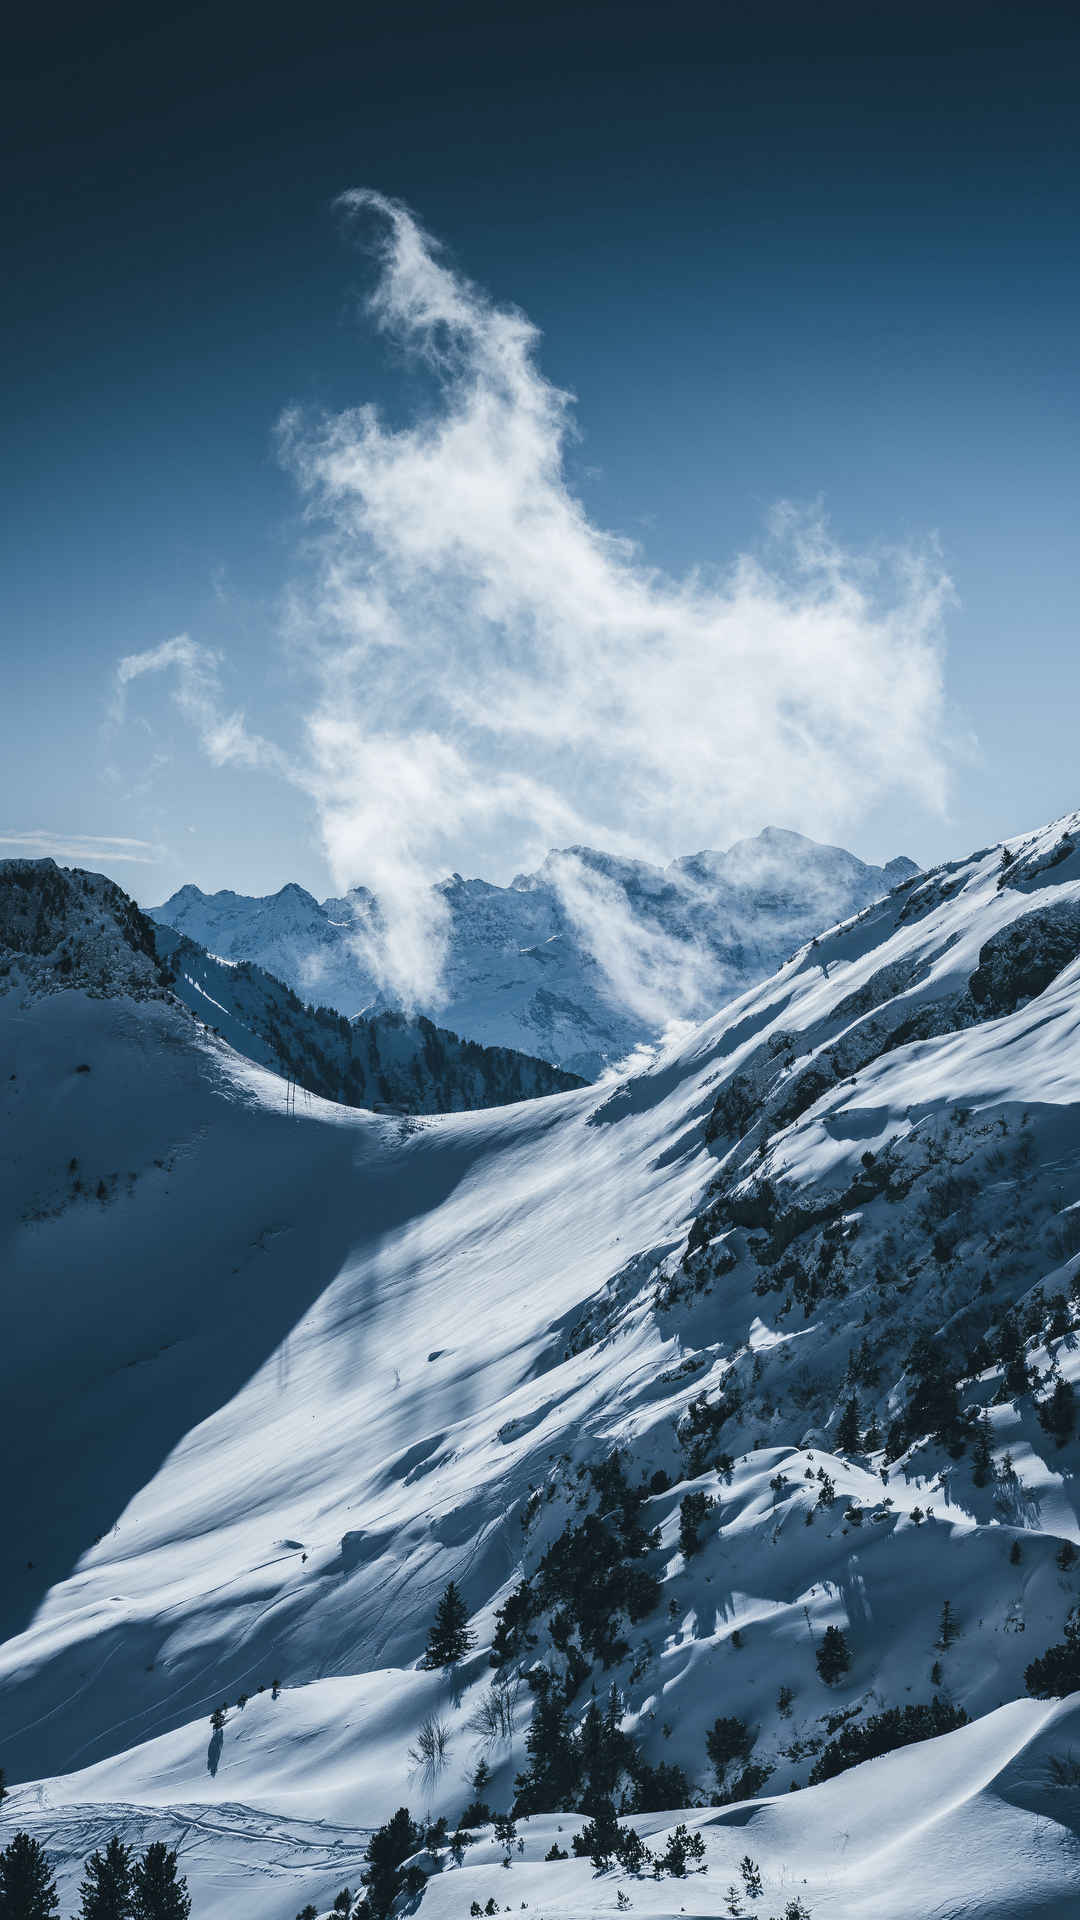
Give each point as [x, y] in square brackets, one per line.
[662, 1495]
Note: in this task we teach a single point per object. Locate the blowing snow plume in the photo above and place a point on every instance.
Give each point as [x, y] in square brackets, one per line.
[490, 670]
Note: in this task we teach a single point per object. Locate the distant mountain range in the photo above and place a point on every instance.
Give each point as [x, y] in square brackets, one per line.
[579, 962]
[62, 928]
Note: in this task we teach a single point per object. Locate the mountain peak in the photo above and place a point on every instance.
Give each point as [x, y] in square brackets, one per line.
[540, 965]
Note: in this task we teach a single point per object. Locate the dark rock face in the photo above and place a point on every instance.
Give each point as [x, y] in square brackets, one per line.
[1021, 961]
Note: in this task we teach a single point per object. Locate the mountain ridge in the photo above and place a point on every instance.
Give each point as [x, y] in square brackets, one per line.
[629, 1321]
[65, 928]
[580, 962]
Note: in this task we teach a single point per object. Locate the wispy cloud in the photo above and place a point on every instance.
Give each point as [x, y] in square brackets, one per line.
[198, 694]
[491, 668]
[81, 846]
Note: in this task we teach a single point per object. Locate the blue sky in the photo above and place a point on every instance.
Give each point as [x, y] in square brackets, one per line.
[812, 257]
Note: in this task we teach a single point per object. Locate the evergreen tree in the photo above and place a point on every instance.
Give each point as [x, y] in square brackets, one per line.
[847, 1433]
[659, 1787]
[106, 1890]
[550, 1780]
[386, 1852]
[673, 1859]
[449, 1639]
[982, 1460]
[948, 1629]
[1010, 1351]
[511, 1625]
[600, 1837]
[1057, 1415]
[727, 1739]
[751, 1874]
[27, 1888]
[633, 1854]
[157, 1892]
[833, 1656]
[504, 1832]
[1057, 1671]
[682, 1847]
[477, 1813]
[932, 1404]
[604, 1752]
[692, 1511]
[882, 1733]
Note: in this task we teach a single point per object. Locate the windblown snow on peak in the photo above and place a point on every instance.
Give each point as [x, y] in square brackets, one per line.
[581, 962]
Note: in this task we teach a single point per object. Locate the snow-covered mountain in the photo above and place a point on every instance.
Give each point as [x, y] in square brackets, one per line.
[383, 1060]
[63, 928]
[671, 1377]
[579, 962]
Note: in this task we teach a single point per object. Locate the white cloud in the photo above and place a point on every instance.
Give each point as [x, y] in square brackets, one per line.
[491, 669]
[198, 694]
[39, 844]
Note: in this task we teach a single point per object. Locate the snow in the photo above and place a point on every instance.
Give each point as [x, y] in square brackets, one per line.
[571, 962]
[297, 1368]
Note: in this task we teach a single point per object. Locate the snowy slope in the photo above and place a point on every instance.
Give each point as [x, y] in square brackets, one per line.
[379, 1060]
[296, 1370]
[579, 962]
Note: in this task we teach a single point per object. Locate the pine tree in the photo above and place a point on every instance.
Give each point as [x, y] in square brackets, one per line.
[387, 1849]
[693, 1509]
[106, 1890]
[948, 1629]
[600, 1837]
[1057, 1415]
[27, 1888]
[157, 1892]
[634, 1855]
[833, 1656]
[982, 1460]
[728, 1739]
[512, 1625]
[847, 1433]
[449, 1639]
[675, 1855]
[551, 1777]
[751, 1874]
